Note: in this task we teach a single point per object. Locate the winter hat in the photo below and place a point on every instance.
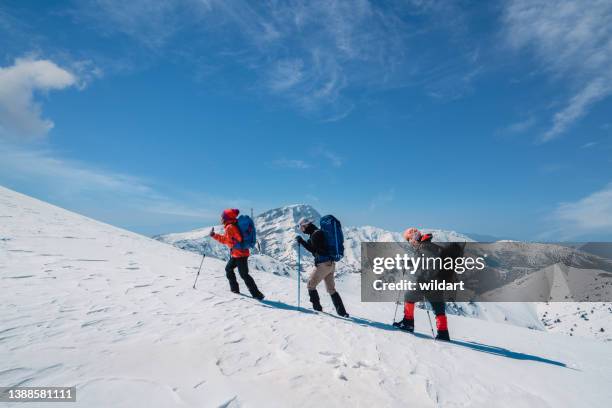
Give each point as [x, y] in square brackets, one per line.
[230, 214]
[303, 222]
[412, 235]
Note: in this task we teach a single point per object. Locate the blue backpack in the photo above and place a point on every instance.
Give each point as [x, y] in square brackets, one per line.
[246, 226]
[334, 238]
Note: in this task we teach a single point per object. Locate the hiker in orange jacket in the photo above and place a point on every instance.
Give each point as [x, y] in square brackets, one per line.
[238, 257]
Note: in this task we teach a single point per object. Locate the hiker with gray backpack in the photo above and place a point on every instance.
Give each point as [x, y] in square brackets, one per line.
[326, 245]
[239, 237]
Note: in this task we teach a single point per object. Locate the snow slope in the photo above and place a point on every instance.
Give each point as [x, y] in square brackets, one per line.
[114, 313]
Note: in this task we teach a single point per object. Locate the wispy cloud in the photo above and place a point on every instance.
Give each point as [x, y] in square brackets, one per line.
[589, 145]
[573, 42]
[20, 114]
[75, 183]
[311, 53]
[520, 126]
[333, 158]
[312, 198]
[152, 22]
[551, 168]
[592, 213]
[578, 106]
[381, 199]
[290, 164]
[286, 74]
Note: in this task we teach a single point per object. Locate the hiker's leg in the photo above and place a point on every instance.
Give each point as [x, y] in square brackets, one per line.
[316, 276]
[231, 276]
[439, 309]
[243, 270]
[329, 279]
[409, 310]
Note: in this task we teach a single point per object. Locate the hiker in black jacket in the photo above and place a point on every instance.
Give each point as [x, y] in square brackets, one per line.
[423, 245]
[324, 268]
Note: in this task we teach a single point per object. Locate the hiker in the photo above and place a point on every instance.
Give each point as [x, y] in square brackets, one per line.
[423, 245]
[324, 268]
[239, 251]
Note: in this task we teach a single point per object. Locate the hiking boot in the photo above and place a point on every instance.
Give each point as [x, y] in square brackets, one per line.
[443, 335]
[405, 325]
[314, 298]
[337, 300]
[258, 296]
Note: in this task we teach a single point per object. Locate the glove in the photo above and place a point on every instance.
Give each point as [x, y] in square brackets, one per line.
[299, 240]
[212, 232]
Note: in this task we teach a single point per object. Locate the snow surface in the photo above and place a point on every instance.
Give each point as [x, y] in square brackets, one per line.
[114, 314]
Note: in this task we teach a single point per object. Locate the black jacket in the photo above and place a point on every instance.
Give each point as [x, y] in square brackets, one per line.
[316, 244]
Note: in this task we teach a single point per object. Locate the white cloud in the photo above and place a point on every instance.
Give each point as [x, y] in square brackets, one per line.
[592, 213]
[20, 115]
[573, 42]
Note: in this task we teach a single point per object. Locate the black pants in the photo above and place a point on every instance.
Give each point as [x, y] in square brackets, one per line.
[439, 308]
[243, 271]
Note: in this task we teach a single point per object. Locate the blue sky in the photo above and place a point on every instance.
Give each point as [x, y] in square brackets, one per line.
[155, 115]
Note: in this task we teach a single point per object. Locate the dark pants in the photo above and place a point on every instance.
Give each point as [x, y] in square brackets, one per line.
[243, 271]
[438, 308]
[435, 298]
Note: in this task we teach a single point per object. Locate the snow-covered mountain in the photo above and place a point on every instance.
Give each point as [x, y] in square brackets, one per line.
[276, 232]
[114, 314]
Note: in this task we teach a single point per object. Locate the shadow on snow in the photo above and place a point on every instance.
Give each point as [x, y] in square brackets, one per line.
[483, 348]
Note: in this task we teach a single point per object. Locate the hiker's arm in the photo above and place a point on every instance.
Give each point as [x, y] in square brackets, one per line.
[230, 238]
[305, 244]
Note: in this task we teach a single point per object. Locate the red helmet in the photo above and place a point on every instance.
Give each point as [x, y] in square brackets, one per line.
[412, 235]
[229, 215]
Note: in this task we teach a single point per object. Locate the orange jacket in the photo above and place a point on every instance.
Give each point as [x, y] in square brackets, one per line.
[230, 238]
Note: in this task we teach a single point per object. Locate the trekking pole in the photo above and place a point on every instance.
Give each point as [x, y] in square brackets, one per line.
[199, 269]
[299, 266]
[430, 325]
[396, 306]
[397, 300]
